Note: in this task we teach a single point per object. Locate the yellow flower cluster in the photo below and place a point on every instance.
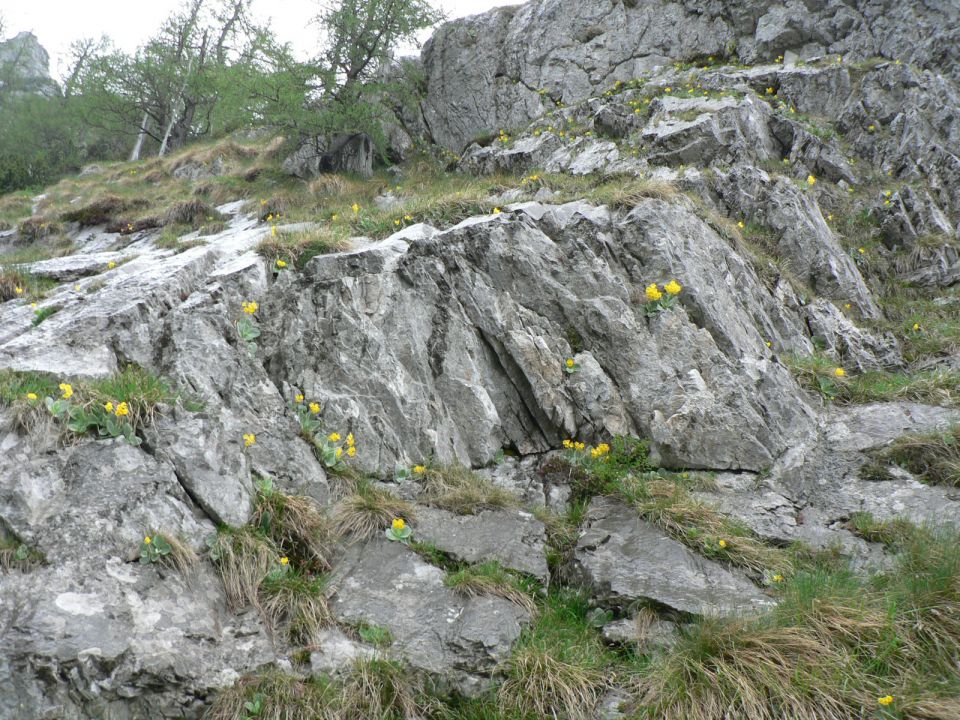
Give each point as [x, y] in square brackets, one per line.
[599, 451]
[18, 290]
[249, 439]
[399, 524]
[356, 208]
[67, 390]
[31, 396]
[653, 292]
[122, 410]
[722, 544]
[673, 287]
[250, 307]
[419, 469]
[885, 700]
[504, 138]
[839, 372]
[314, 408]
[571, 445]
[811, 180]
[284, 560]
[281, 264]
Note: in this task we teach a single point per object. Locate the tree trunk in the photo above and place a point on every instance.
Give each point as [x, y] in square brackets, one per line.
[135, 155]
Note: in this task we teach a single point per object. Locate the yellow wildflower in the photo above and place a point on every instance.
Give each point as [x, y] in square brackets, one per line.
[769, 91]
[273, 230]
[298, 398]
[77, 287]
[847, 306]
[147, 540]
[33, 304]
[916, 327]
[263, 202]
[668, 90]
[722, 544]
[314, 408]
[419, 469]
[108, 407]
[885, 700]
[570, 362]
[250, 307]
[339, 452]
[31, 396]
[811, 180]
[653, 292]
[398, 524]
[497, 211]
[839, 372]
[111, 265]
[568, 443]
[871, 127]
[673, 287]
[67, 390]
[18, 290]
[355, 207]
[351, 451]
[829, 217]
[334, 216]
[284, 560]
[408, 218]
[741, 225]
[579, 446]
[249, 439]
[861, 250]
[350, 441]
[334, 437]
[397, 221]
[769, 344]
[777, 578]
[122, 409]
[270, 217]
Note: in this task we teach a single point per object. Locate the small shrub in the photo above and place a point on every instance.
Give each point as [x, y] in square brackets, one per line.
[244, 558]
[299, 600]
[190, 212]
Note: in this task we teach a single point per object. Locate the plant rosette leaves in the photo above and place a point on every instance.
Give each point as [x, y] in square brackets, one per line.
[152, 549]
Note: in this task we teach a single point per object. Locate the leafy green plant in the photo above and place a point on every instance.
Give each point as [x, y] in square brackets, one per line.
[248, 331]
[254, 707]
[376, 635]
[571, 366]
[41, 314]
[153, 549]
[105, 420]
[399, 531]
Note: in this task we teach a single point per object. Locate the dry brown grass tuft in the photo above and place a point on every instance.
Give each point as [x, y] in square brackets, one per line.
[182, 557]
[297, 526]
[933, 456]
[378, 689]
[544, 686]
[369, 511]
[300, 601]
[103, 210]
[298, 246]
[490, 578]
[190, 212]
[244, 559]
[462, 491]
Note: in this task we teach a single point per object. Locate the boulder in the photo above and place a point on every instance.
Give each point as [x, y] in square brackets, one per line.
[340, 153]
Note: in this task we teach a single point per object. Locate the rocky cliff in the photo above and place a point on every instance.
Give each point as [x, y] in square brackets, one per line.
[25, 65]
[654, 353]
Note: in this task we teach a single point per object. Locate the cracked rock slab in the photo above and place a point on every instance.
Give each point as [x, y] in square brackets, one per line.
[457, 639]
[512, 537]
[622, 559]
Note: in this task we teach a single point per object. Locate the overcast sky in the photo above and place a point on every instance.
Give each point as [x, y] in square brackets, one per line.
[129, 22]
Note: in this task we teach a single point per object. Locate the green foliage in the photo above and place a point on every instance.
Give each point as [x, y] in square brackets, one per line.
[819, 373]
[374, 634]
[248, 331]
[41, 314]
[934, 456]
[153, 549]
[15, 555]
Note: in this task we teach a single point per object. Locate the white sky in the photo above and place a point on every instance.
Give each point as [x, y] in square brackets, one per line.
[129, 22]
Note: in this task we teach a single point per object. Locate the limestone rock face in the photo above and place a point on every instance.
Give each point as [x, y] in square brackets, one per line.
[25, 66]
[463, 336]
[342, 153]
[510, 65]
[623, 559]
